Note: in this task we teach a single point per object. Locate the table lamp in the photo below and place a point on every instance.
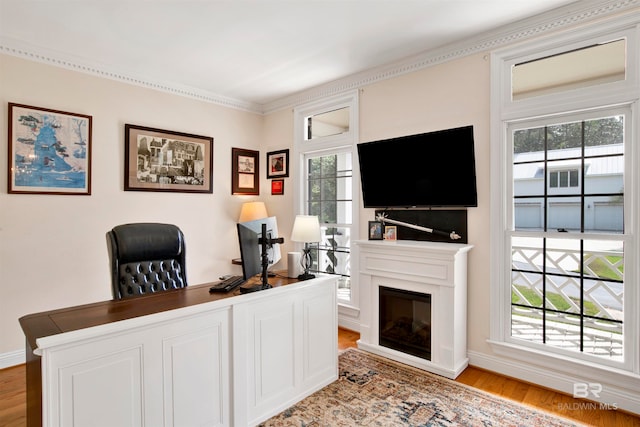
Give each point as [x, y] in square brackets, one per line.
[306, 229]
[251, 211]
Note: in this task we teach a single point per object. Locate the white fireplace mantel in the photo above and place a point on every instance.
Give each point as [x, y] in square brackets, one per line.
[438, 269]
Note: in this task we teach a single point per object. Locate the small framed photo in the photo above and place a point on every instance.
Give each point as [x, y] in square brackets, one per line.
[245, 168]
[49, 151]
[278, 164]
[390, 232]
[164, 160]
[277, 187]
[375, 230]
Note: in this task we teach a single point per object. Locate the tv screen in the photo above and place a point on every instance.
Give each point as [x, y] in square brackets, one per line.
[429, 169]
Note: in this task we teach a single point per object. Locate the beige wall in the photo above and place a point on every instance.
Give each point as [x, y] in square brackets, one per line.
[52, 248]
[449, 95]
[278, 135]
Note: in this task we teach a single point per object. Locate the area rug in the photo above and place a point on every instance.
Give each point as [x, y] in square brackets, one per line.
[375, 391]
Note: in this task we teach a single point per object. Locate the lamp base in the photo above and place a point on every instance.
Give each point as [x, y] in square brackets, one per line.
[306, 276]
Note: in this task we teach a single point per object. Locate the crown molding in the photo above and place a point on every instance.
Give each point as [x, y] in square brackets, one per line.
[578, 13]
[22, 50]
[561, 19]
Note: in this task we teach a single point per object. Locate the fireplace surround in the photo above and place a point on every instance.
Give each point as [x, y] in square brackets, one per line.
[432, 271]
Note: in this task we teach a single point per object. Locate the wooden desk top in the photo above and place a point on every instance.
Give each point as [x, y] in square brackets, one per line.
[68, 319]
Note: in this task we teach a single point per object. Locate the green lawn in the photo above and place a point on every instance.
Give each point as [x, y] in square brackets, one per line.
[603, 270]
[535, 300]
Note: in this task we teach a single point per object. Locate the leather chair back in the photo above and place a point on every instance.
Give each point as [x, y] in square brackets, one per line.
[146, 258]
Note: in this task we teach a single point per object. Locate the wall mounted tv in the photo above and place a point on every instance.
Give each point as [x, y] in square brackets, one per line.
[435, 169]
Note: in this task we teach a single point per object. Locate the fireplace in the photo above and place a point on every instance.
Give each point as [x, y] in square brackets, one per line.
[413, 303]
[405, 321]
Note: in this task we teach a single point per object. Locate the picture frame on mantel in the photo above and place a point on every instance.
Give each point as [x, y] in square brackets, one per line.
[49, 151]
[169, 161]
[390, 232]
[375, 230]
[245, 172]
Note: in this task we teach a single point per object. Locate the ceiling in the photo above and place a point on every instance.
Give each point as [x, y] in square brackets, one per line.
[257, 51]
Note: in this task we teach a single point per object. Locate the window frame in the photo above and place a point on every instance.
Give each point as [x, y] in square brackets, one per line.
[346, 141]
[506, 112]
[322, 153]
[607, 94]
[626, 238]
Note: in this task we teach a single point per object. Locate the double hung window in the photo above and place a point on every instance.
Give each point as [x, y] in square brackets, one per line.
[565, 281]
[567, 240]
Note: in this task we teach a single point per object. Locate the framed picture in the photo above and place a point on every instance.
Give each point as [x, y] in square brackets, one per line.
[278, 164]
[390, 232]
[163, 160]
[277, 187]
[49, 151]
[245, 169]
[375, 230]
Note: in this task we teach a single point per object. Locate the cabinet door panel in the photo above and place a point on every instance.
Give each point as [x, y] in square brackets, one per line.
[174, 373]
[105, 391]
[196, 378]
[320, 343]
[271, 358]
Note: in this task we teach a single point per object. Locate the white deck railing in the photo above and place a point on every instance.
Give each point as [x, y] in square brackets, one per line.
[602, 299]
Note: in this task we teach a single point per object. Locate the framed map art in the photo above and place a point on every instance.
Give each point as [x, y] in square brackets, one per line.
[49, 151]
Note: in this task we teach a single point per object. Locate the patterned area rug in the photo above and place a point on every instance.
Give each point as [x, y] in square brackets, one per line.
[375, 391]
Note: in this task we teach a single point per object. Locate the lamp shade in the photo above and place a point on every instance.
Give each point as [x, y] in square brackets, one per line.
[251, 211]
[306, 229]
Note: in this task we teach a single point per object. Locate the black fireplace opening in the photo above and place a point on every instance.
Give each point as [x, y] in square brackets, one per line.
[405, 321]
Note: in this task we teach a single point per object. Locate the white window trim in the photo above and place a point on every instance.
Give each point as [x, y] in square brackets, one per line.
[344, 142]
[556, 370]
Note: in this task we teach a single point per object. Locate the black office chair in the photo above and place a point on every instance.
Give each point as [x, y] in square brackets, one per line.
[146, 258]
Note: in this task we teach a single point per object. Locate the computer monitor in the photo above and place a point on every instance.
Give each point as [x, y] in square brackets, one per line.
[249, 234]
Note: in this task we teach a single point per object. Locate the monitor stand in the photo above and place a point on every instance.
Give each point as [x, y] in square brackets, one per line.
[264, 241]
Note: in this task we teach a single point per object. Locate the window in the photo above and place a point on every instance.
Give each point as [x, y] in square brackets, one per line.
[326, 135]
[563, 179]
[329, 196]
[583, 67]
[568, 292]
[564, 283]
[328, 123]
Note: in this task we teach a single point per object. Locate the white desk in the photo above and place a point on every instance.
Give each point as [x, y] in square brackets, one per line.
[182, 358]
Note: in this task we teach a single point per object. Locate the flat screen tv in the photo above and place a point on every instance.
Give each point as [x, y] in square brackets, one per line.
[435, 169]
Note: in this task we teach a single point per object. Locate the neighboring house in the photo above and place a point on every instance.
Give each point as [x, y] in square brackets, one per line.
[602, 180]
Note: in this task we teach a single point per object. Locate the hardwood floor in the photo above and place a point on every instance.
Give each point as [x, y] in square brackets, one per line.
[13, 395]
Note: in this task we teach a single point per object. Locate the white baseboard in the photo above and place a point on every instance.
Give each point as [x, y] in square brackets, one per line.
[349, 317]
[12, 358]
[612, 397]
[349, 324]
